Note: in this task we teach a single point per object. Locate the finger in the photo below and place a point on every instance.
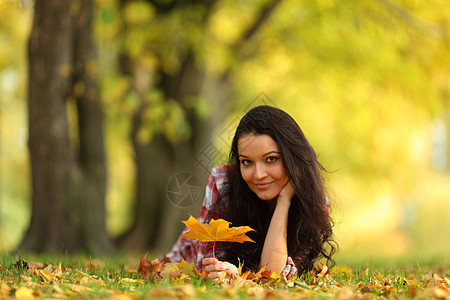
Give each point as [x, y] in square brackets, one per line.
[215, 268]
[215, 275]
[210, 261]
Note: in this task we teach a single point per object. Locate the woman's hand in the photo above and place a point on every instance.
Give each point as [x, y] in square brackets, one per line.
[286, 194]
[215, 269]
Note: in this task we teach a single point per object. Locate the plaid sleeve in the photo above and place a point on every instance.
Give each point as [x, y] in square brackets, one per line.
[290, 268]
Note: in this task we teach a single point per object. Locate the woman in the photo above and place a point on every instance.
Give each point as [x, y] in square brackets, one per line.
[274, 185]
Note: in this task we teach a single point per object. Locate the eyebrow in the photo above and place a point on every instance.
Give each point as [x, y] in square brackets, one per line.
[270, 152]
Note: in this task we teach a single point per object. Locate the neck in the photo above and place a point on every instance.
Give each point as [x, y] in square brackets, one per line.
[271, 204]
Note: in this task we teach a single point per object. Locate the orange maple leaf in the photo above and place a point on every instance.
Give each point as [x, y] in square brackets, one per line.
[216, 231]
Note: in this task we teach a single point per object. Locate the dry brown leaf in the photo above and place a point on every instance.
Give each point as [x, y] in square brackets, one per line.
[258, 274]
[149, 269]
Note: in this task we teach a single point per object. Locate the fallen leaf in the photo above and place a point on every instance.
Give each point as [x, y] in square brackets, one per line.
[247, 274]
[240, 282]
[45, 276]
[258, 274]
[58, 271]
[410, 282]
[24, 293]
[187, 268]
[4, 288]
[22, 265]
[170, 270]
[323, 271]
[179, 278]
[275, 275]
[149, 269]
[131, 280]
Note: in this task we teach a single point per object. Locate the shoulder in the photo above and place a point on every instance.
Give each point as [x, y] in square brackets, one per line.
[221, 172]
[215, 202]
[219, 176]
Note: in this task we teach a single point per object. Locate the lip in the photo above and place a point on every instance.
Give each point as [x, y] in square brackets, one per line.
[263, 186]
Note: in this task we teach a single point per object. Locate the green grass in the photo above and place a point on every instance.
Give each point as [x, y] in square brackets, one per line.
[116, 277]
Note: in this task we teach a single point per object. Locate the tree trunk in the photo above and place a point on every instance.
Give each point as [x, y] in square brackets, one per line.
[53, 225]
[68, 193]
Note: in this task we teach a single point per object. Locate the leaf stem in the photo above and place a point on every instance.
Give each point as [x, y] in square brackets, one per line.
[214, 249]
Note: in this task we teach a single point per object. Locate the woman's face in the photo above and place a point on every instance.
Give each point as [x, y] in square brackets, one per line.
[261, 165]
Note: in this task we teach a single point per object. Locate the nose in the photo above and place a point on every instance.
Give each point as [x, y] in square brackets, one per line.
[260, 171]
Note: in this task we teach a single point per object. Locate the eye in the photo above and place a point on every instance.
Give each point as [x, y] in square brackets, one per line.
[271, 159]
[246, 162]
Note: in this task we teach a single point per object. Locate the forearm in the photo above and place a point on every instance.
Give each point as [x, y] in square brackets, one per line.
[274, 252]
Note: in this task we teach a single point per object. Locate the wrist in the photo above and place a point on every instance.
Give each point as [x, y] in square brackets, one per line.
[283, 202]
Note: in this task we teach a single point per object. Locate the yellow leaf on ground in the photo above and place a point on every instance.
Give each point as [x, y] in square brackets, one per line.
[131, 280]
[411, 282]
[169, 269]
[24, 293]
[45, 276]
[216, 230]
[187, 268]
[275, 275]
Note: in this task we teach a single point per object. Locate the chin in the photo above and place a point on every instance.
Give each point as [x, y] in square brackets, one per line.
[266, 196]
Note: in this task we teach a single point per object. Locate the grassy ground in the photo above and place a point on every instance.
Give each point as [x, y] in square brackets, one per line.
[61, 277]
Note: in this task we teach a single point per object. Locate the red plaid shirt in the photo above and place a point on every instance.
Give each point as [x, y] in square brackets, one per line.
[193, 250]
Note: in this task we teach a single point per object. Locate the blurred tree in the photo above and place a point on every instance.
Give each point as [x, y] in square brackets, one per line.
[179, 100]
[68, 188]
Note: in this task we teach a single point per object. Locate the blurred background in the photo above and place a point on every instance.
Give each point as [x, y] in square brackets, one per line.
[126, 105]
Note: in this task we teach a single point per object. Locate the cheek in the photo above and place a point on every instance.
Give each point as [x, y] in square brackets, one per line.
[282, 175]
[246, 175]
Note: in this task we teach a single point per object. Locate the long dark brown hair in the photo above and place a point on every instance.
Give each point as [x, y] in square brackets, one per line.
[309, 232]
